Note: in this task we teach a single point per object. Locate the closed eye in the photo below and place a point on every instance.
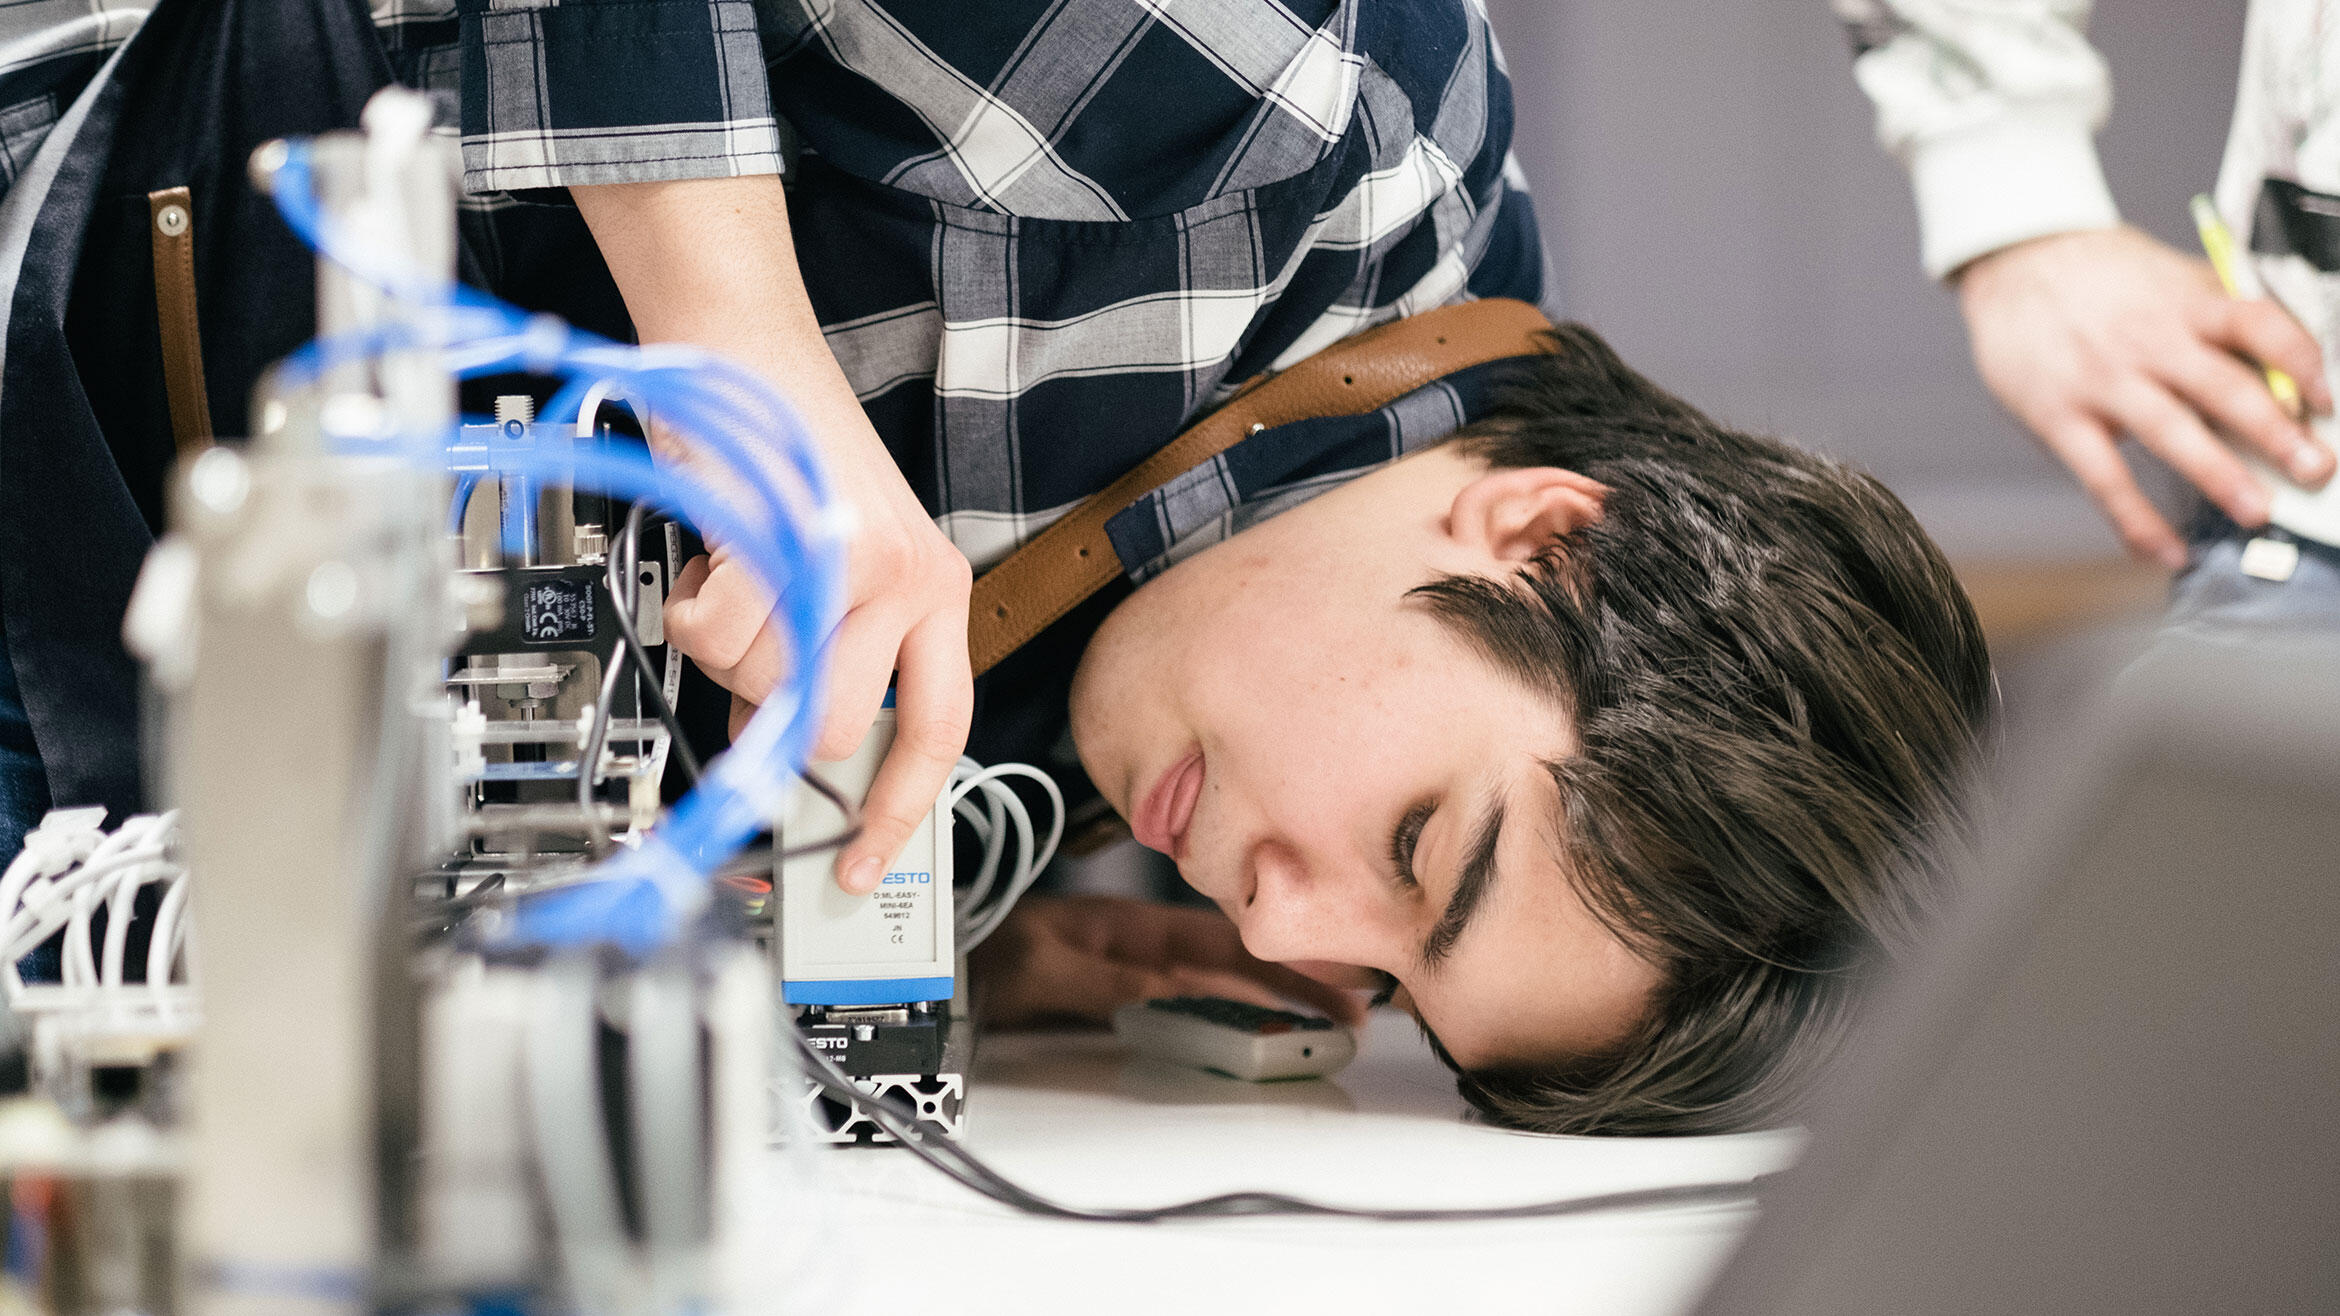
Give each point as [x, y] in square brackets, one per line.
[1404, 839]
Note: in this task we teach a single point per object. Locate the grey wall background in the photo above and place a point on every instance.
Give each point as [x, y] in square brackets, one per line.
[1714, 202]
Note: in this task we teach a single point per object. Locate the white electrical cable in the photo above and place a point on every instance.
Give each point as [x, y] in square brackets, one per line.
[170, 929]
[119, 912]
[64, 838]
[589, 410]
[1004, 809]
[45, 906]
[990, 826]
[69, 869]
[118, 902]
[48, 905]
[981, 911]
[77, 966]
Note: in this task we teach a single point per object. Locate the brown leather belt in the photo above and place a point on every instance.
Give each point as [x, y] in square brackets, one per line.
[1073, 559]
[171, 219]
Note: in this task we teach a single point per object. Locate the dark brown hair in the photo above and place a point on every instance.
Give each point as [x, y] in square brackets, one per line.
[1778, 688]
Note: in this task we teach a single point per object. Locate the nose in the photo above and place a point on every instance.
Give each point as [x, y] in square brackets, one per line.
[1304, 906]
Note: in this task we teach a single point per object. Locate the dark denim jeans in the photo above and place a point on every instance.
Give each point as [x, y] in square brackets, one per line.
[2215, 600]
[24, 787]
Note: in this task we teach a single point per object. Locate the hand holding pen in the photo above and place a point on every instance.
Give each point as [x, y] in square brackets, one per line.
[2241, 280]
[2090, 335]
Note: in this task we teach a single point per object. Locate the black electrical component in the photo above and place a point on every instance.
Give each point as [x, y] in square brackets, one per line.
[870, 1042]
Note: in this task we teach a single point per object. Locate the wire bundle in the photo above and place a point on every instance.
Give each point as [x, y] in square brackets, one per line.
[983, 901]
[765, 500]
[622, 577]
[69, 869]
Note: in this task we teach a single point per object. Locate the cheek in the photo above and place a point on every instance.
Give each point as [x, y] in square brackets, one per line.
[1317, 693]
[1127, 690]
[1288, 628]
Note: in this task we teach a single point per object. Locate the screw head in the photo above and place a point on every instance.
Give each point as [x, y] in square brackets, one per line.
[172, 220]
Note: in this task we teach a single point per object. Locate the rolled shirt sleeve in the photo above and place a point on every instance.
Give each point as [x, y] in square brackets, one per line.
[1992, 105]
[568, 93]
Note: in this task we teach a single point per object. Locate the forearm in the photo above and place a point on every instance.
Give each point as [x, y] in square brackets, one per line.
[1992, 108]
[711, 262]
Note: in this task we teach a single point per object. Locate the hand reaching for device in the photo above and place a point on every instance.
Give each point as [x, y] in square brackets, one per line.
[1083, 957]
[2088, 335]
[905, 624]
[711, 261]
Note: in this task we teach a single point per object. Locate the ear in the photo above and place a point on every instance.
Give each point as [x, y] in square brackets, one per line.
[1515, 513]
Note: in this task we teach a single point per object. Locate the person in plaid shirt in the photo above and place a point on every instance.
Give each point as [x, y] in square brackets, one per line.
[1022, 246]
[1600, 737]
[1505, 698]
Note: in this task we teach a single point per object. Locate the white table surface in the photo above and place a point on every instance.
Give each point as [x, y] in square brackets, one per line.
[1070, 1115]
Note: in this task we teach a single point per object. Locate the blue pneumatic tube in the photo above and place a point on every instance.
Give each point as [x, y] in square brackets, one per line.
[784, 529]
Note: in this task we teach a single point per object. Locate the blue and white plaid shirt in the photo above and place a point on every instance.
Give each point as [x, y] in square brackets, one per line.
[1042, 236]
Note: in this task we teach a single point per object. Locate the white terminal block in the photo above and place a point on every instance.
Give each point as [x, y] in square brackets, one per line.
[894, 946]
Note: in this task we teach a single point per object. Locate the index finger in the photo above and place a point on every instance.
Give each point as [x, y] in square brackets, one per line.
[934, 703]
[717, 611]
[2226, 391]
[2266, 333]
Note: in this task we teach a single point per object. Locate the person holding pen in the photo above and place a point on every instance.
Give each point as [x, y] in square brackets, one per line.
[2086, 329]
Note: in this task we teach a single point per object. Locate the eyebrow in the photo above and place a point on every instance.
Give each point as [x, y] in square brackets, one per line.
[1470, 888]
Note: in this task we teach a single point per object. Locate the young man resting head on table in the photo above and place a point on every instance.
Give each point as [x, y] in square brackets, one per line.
[1601, 737]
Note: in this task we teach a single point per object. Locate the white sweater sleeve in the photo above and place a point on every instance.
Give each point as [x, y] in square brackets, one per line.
[1992, 106]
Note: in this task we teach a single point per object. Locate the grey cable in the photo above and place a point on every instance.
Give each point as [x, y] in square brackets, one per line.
[896, 1118]
[662, 1062]
[580, 1177]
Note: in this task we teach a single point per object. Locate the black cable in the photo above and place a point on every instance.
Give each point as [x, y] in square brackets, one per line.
[628, 546]
[621, 603]
[451, 912]
[969, 1170]
[845, 807]
[589, 757]
[618, 576]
